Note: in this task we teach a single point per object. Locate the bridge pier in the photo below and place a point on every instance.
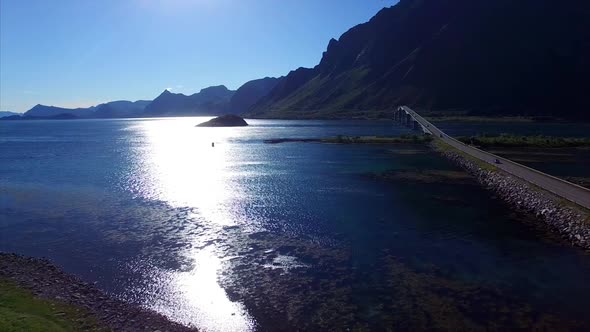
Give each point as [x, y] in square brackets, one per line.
[402, 116]
[407, 119]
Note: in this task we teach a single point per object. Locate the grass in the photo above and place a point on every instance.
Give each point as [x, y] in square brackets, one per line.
[20, 310]
[444, 147]
[506, 140]
[378, 139]
[413, 139]
[426, 176]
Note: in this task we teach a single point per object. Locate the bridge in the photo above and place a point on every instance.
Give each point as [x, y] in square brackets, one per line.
[562, 188]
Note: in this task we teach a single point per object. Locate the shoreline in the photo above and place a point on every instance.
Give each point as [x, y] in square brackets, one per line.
[47, 281]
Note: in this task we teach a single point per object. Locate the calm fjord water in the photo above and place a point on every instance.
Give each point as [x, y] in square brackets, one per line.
[254, 236]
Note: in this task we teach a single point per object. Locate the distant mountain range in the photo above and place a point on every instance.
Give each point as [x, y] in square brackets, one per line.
[209, 101]
[525, 57]
[484, 57]
[120, 109]
[7, 113]
[215, 100]
[43, 111]
[114, 109]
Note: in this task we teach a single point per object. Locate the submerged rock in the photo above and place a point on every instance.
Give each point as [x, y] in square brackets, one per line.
[229, 120]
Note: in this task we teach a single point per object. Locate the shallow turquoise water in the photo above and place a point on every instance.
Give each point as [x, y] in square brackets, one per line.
[249, 235]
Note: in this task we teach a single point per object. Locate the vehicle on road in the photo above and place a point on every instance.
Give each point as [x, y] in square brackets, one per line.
[497, 161]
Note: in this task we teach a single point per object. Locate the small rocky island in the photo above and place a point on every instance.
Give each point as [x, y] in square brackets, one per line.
[229, 120]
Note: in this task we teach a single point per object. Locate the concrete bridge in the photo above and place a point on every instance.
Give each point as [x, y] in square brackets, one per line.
[569, 191]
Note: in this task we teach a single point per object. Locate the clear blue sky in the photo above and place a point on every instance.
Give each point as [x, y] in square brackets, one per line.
[75, 53]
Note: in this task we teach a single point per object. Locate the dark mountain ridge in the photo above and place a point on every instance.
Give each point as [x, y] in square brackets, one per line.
[114, 109]
[251, 92]
[495, 57]
[4, 114]
[209, 101]
[48, 111]
[120, 109]
[214, 100]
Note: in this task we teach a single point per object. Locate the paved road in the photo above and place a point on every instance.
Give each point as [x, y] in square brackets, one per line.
[562, 188]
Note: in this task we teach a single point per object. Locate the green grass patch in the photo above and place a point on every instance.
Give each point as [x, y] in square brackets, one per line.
[426, 176]
[444, 147]
[340, 139]
[506, 140]
[378, 139]
[20, 310]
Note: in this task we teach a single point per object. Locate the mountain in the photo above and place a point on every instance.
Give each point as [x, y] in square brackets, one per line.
[209, 101]
[59, 116]
[49, 111]
[114, 109]
[214, 100]
[120, 109]
[8, 113]
[251, 92]
[525, 57]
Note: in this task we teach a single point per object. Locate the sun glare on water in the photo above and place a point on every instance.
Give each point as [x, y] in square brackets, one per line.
[195, 297]
[184, 168]
[179, 166]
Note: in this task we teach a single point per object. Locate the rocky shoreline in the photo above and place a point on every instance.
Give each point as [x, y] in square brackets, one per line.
[45, 280]
[567, 219]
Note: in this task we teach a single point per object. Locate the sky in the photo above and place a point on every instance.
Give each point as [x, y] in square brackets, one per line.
[78, 53]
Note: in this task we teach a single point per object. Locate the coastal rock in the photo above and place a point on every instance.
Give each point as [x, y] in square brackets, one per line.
[229, 120]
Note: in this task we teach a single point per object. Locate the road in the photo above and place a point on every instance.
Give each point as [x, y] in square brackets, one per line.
[562, 188]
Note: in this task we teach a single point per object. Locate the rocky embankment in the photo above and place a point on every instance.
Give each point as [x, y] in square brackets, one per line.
[47, 281]
[569, 220]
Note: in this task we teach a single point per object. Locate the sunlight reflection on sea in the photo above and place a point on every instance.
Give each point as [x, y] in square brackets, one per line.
[180, 166]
